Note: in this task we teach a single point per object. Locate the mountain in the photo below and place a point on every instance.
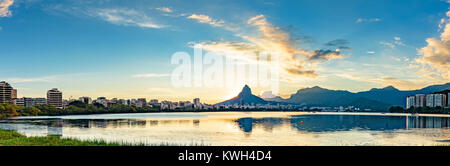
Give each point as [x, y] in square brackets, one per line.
[379, 99]
[244, 97]
[276, 98]
[393, 96]
[317, 96]
[376, 98]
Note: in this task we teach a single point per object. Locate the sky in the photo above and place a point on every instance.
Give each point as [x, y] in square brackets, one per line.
[124, 49]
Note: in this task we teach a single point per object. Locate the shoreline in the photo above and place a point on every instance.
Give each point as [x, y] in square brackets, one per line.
[294, 112]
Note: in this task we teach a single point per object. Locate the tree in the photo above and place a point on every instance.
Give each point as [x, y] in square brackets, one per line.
[396, 109]
[29, 111]
[78, 104]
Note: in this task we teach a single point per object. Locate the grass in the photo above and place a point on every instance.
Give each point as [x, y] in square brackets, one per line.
[13, 138]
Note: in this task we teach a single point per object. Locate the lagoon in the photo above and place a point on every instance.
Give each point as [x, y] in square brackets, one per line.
[244, 128]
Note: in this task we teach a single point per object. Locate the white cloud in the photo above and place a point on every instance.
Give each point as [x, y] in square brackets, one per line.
[150, 75]
[387, 44]
[370, 52]
[206, 19]
[165, 9]
[4, 8]
[360, 20]
[30, 80]
[127, 17]
[293, 60]
[436, 54]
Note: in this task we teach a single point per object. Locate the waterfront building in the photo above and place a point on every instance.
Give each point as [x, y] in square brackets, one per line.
[141, 102]
[448, 99]
[38, 101]
[419, 100]
[7, 92]
[410, 102]
[429, 100]
[197, 103]
[439, 100]
[54, 98]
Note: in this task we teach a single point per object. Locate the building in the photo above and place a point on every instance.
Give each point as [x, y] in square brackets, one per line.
[141, 102]
[197, 103]
[7, 93]
[14, 94]
[410, 102]
[54, 98]
[86, 100]
[439, 100]
[153, 101]
[39, 101]
[419, 100]
[29, 102]
[429, 100]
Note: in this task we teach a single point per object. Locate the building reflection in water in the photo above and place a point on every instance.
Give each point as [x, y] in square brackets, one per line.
[327, 123]
[301, 123]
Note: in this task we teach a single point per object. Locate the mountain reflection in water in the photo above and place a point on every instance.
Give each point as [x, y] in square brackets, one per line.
[243, 128]
[325, 123]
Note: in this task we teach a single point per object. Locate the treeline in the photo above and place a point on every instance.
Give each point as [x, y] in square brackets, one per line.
[74, 108]
[424, 110]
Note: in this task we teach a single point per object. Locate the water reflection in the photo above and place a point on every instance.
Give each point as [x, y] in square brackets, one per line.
[327, 123]
[245, 128]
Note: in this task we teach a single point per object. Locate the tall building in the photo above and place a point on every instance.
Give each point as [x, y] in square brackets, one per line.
[448, 99]
[439, 100]
[141, 102]
[7, 93]
[54, 98]
[420, 100]
[13, 94]
[410, 101]
[429, 100]
[197, 103]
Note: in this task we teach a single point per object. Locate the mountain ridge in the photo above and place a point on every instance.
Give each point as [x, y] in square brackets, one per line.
[375, 98]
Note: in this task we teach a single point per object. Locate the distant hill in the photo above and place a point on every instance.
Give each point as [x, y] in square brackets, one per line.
[393, 96]
[244, 97]
[317, 96]
[376, 99]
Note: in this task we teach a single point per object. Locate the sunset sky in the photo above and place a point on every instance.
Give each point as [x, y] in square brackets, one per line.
[123, 49]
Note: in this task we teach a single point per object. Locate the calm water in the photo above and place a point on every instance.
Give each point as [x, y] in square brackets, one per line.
[242, 128]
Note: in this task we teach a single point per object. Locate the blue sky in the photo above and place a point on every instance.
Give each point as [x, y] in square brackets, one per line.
[96, 48]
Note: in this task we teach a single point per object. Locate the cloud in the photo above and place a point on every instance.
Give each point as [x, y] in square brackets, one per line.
[370, 52]
[339, 43]
[360, 20]
[436, 54]
[387, 44]
[396, 42]
[293, 60]
[400, 83]
[165, 9]
[127, 17]
[4, 8]
[325, 55]
[207, 20]
[150, 75]
[31, 80]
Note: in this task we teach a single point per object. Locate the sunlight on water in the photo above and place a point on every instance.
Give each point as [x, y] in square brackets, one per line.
[243, 128]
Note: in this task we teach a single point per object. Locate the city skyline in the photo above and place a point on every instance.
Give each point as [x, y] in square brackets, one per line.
[123, 49]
